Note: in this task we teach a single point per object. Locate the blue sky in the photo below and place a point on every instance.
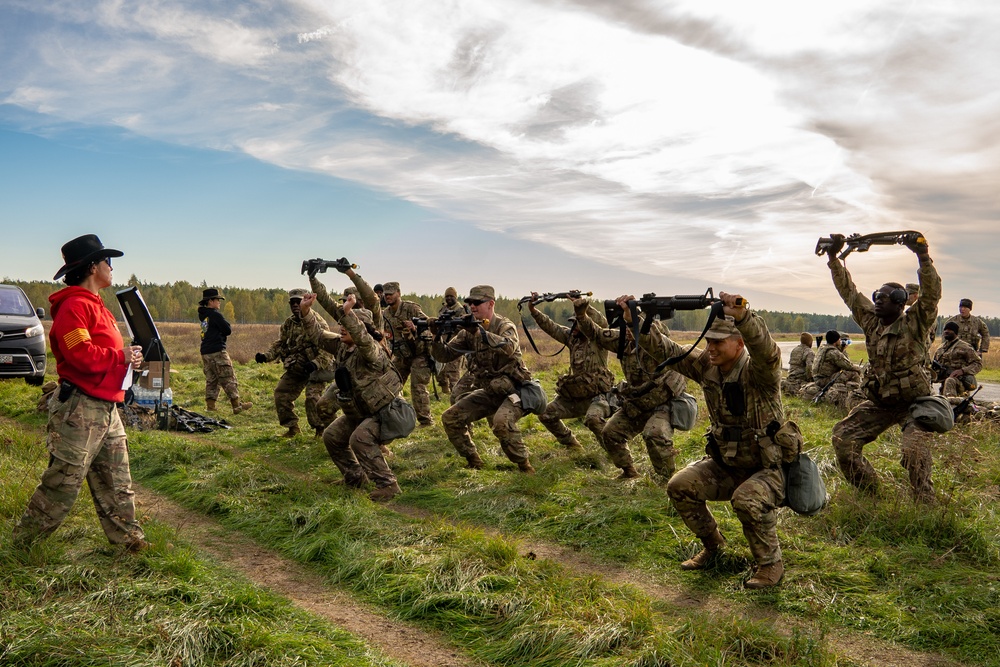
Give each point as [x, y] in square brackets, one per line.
[616, 147]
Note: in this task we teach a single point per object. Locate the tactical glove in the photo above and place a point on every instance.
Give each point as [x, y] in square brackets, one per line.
[260, 358]
[836, 246]
[309, 367]
[343, 265]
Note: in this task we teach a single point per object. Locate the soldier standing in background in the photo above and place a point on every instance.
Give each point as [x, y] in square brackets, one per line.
[645, 399]
[496, 372]
[799, 366]
[215, 361]
[971, 329]
[896, 375]
[306, 367]
[740, 374]
[450, 372]
[957, 362]
[588, 377]
[410, 353]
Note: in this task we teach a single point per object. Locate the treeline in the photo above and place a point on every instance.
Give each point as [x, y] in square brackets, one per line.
[178, 302]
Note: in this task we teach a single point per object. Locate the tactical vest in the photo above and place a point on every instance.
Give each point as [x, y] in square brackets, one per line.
[370, 388]
[896, 373]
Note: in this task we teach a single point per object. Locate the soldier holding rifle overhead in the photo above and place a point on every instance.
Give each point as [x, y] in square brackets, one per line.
[896, 338]
[740, 374]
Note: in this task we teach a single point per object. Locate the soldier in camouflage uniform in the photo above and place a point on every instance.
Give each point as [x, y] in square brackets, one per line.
[84, 435]
[832, 364]
[449, 373]
[306, 367]
[410, 352]
[327, 405]
[645, 399]
[799, 366]
[587, 379]
[957, 363]
[367, 382]
[971, 329]
[215, 361]
[496, 372]
[740, 373]
[896, 374]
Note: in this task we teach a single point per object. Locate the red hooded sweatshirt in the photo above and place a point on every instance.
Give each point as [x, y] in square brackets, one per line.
[87, 344]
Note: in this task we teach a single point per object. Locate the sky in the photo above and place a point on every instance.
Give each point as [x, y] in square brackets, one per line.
[616, 147]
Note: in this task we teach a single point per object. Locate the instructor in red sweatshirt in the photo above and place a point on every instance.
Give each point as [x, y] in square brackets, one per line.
[84, 435]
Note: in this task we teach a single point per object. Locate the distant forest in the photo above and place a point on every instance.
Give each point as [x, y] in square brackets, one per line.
[178, 302]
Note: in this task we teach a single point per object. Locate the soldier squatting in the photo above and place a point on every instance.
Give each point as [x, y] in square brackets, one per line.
[475, 355]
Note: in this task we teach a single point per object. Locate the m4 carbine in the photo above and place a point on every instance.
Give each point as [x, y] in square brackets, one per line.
[659, 307]
[314, 266]
[446, 326]
[552, 296]
[862, 243]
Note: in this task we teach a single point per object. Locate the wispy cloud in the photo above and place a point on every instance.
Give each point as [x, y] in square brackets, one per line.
[697, 139]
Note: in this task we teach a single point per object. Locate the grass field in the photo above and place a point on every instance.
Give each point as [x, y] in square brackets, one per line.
[453, 553]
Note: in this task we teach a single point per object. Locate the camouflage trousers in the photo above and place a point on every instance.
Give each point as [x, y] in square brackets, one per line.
[355, 446]
[327, 405]
[478, 404]
[219, 373]
[958, 386]
[418, 369]
[793, 386]
[288, 389]
[755, 496]
[594, 414]
[656, 431]
[450, 373]
[865, 422]
[464, 385]
[86, 440]
[843, 395]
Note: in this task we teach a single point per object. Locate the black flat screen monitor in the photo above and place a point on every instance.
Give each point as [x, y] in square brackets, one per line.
[141, 325]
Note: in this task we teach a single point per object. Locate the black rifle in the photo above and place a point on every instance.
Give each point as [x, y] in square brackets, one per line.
[826, 388]
[941, 370]
[862, 243]
[446, 326]
[547, 297]
[192, 422]
[314, 266]
[964, 405]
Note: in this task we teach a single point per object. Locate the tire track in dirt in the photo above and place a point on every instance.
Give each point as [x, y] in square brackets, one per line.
[397, 639]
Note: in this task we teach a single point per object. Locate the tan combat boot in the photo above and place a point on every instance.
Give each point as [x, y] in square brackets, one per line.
[713, 543]
[629, 472]
[766, 576]
[384, 493]
[239, 407]
[210, 404]
[526, 468]
[292, 431]
[475, 462]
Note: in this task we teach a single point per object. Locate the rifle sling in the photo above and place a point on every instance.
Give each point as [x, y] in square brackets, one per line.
[715, 311]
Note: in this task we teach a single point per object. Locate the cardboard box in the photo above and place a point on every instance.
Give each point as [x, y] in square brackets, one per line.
[155, 375]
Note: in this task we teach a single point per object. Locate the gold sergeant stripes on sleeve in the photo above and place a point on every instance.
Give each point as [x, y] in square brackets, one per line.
[75, 337]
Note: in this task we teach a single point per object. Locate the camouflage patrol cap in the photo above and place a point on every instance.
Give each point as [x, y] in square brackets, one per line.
[966, 303]
[351, 290]
[912, 288]
[481, 293]
[364, 315]
[722, 328]
[390, 287]
[451, 291]
[296, 293]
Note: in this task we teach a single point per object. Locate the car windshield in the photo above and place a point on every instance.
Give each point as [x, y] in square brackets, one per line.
[13, 302]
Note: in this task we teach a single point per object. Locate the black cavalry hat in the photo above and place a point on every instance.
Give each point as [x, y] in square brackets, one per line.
[209, 294]
[82, 251]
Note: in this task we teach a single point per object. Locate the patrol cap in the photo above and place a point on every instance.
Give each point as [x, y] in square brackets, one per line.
[364, 315]
[481, 293]
[912, 288]
[451, 291]
[951, 326]
[390, 287]
[967, 303]
[722, 328]
[351, 290]
[296, 293]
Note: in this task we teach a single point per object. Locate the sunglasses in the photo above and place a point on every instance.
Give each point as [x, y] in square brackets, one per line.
[107, 260]
[475, 302]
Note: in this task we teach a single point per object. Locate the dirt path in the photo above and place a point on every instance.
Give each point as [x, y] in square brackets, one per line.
[396, 639]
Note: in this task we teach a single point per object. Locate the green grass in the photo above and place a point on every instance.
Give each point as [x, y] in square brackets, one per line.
[927, 579]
